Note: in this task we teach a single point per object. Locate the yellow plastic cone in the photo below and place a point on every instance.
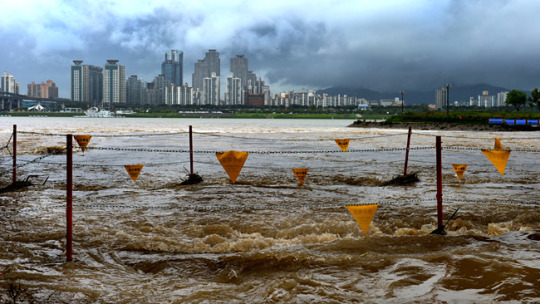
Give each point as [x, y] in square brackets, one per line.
[363, 214]
[232, 162]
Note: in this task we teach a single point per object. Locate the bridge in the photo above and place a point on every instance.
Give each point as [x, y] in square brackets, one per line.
[10, 101]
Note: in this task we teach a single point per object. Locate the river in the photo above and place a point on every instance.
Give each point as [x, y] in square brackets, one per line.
[265, 238]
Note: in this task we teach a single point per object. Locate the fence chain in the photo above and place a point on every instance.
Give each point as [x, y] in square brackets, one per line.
[261, 152]
[106, 135]
[492, 202]
[482, 149]
[24, 210]
[36, 159]
[292, 139]
[474, 138]
[258, 207]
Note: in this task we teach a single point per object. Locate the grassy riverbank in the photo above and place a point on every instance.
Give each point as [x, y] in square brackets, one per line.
[465, 121]
[462, 117]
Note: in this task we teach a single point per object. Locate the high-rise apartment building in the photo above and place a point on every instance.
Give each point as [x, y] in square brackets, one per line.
[155, 93]
[205, 67]
[485, 100]
[440, 98]
[43, 90]
[172, 67]
[501, 99]
[234, 94]
[114, 82]
[9, 85]
[210, 91]
[135, 90]
[239, 69]
[178, 95]
[86, 83]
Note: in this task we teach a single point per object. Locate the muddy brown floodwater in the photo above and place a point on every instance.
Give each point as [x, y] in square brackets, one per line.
[265, 239]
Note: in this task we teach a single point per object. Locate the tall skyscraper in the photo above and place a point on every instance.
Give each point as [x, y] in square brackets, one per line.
[114, 82]
[86, 83]
[9, 85]
[239, 69]
[172, 67]
[205, 67]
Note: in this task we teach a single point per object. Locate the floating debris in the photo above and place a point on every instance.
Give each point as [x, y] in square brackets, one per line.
[402, 180]
[16, 186]
[192, 179]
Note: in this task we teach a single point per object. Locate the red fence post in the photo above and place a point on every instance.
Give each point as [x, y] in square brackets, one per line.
[14, 153]
[191, 148]
[439, 183]
[407, 152]
[69, 199]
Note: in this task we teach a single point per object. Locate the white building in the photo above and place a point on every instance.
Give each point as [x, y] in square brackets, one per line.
[178, 95]
[234, 94]
[501, 99]
[114, 82]
[9, 85]
[210, 91]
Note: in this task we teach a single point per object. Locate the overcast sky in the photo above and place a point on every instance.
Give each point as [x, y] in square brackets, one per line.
[382, 45]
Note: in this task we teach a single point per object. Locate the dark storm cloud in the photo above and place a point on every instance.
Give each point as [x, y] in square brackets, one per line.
[382, 45]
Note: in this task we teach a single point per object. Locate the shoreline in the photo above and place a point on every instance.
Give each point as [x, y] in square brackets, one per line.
[444, 126]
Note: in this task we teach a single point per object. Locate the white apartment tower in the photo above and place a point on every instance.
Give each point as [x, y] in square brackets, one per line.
[210, 90]
[114, 82]
[9, 85]
[234, 95]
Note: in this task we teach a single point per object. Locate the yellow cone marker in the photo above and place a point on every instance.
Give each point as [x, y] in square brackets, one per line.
[134, 171]
[343, 144]
[82, 140]
[363, 214]
[232, 162]
[460, 170]
[301, 174]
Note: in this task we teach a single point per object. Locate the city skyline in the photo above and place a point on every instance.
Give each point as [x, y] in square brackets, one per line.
[384, 46]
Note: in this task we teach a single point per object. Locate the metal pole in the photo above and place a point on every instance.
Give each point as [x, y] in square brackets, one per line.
[439, 184]
[191, 148]
[69, 199]
[407, 151]
[14, 153]
[447, 102]
[402, 101]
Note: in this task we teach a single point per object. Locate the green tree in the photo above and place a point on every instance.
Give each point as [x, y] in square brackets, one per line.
[534, 99]
[516, 98]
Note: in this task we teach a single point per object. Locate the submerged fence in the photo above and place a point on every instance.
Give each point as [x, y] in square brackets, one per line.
[191, 151]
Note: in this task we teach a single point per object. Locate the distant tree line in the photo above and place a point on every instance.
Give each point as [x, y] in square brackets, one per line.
[519, 99]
